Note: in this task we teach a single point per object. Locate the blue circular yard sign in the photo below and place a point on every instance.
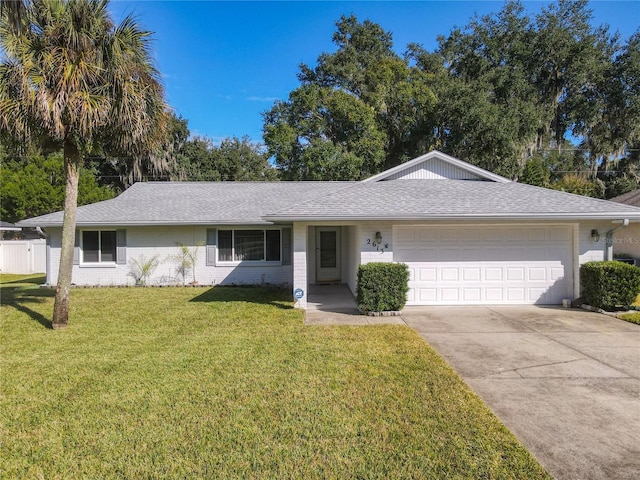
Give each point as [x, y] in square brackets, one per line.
[298, 293]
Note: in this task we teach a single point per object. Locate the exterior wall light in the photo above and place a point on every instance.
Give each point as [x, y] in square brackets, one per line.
[378, 238]
[595, 236]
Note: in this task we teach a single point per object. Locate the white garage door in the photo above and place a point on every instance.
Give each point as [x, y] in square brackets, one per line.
[454, 265]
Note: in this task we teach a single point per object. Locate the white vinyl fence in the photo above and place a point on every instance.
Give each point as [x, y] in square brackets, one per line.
[23, 256]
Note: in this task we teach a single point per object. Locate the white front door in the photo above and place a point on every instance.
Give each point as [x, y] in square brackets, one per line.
[328, 254]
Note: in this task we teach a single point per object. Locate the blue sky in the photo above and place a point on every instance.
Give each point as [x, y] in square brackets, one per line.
[224, 63]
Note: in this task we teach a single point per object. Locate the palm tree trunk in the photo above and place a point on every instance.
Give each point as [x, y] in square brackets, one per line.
[72, 164]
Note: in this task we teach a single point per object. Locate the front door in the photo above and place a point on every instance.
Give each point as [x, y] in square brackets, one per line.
[327, 254]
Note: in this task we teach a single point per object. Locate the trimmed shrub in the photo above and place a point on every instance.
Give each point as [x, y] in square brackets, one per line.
[382, 286]
[609, 284]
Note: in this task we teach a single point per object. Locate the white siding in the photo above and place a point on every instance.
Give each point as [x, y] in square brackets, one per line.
[588, 250]
[161, 242]
[357, 248]
[379, 253]
[433, 169]
[627, 240]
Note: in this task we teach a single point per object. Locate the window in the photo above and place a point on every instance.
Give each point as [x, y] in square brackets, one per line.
[98, 246]
[249, 245]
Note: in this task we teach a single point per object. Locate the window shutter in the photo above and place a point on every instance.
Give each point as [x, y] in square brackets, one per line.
[211, 246]
[286, 246]
[76, 249]
[121, 247]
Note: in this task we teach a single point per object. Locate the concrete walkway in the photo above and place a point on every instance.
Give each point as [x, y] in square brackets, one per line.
[335, 305]
[565, 382]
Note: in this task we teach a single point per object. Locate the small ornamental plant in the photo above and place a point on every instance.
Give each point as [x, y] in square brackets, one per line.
[382, 287]
[609, 284]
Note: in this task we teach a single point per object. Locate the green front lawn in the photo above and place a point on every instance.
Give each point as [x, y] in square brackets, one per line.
[631, 317]
[228, 383]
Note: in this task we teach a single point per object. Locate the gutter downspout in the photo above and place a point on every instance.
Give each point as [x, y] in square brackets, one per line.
[609, 252]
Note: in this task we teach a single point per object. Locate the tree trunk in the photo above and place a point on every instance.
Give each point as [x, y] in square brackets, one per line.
[72, 164]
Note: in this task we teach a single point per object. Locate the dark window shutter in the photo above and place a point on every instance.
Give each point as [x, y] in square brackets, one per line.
[121, 247]
[76, 249]
[211, 246]
[286, 246]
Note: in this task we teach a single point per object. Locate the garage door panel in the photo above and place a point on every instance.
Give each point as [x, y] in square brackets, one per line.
[559, 234]
[489, 235]
[493, 295]
[428, 274]
[429, 295]
[471, 274]
[450, 235]
[450, 295]
[514, 235]
[449, 274]
[557, 273]
[474, 265]
[537, 235]
[537, 274]
[516, 294]
[515, 274]
[427, 236]
[470, 254]
[449, 255]
[412, 274]
[537, 253]
[472, 294]
[406, 234]
[492, 274]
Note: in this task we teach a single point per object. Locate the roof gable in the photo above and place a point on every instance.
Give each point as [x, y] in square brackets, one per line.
[436, 166]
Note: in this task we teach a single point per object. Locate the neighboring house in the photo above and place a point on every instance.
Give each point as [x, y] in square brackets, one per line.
[469, 236]
[627, 241]
[7, 227]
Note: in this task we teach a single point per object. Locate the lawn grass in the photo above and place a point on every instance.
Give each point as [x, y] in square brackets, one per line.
[631, 317]
[229, 383]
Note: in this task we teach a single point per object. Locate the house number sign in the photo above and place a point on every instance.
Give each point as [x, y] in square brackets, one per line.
[379, 247]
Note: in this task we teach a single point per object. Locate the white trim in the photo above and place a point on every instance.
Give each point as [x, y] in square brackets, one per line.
[482, 173]
[99, 263]
[569, 217]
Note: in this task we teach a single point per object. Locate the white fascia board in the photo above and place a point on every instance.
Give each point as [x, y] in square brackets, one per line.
[154, 224]
[545, 216]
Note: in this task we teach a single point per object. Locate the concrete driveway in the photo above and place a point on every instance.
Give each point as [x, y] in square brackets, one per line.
[565, 382]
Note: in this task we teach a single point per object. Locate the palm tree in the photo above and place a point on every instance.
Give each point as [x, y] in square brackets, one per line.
[72, 79]
[14, 9]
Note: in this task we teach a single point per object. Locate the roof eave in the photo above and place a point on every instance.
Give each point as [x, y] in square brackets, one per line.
[635, 217]
[150, 224]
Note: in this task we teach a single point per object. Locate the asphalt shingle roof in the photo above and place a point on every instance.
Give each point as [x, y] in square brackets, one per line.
[423, 199]
[629, 198]
[210, 203]
[175, 203]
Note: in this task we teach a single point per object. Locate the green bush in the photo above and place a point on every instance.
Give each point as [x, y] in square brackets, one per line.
[609, 284]
[382, 286]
